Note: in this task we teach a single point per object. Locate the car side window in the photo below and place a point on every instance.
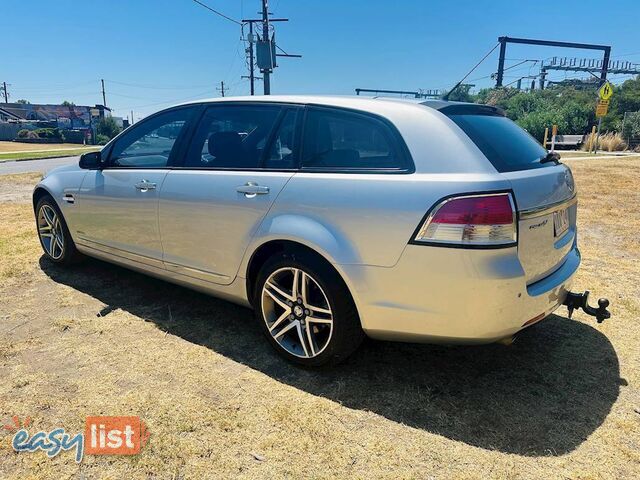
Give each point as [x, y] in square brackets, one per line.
[344, 140]
[282, 154]
[149, 143]
[232, 136]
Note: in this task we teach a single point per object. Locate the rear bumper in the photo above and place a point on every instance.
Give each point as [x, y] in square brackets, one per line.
[454, 295]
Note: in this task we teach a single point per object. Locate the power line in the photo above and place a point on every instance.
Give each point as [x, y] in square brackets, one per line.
[138, 85]
[446, 96]
[218, 13]
[520, 63]
[177, 100]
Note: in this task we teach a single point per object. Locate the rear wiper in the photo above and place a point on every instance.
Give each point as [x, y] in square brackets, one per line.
[551, 157]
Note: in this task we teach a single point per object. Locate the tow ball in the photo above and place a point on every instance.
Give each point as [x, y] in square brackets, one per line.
[581, 300]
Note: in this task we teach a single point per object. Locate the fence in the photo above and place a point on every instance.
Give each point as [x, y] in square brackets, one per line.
[631, 128]
[9, 130]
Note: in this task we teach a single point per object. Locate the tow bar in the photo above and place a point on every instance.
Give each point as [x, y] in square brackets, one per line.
[581, 300]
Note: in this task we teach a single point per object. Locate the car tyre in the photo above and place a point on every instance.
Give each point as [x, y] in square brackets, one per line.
[319, 318]
[53, 233]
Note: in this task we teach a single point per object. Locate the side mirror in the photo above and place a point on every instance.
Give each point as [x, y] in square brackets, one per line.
[91, 160]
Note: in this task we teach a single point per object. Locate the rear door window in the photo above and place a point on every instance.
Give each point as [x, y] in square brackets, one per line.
[343, 140]
[507, 146]
[232, 136]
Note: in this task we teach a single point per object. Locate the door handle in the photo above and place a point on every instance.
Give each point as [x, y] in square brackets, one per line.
[145, 185]
[251, 189]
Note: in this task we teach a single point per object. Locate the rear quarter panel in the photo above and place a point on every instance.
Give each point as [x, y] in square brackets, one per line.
[363, 219]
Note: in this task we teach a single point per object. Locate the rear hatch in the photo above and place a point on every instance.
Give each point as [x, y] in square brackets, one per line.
[544, 191]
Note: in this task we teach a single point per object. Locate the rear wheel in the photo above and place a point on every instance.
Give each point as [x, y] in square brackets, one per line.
[306, 310]
[53, 232]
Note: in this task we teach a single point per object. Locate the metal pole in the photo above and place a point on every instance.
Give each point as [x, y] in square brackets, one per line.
[543, 77]
[4, 89]
[251, 67]
[595, 144]
[605, 64]
[265, 37]
[503, 48]
[104, 97]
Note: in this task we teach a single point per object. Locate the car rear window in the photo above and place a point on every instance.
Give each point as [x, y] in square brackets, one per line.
[340, 140]
[507, 146]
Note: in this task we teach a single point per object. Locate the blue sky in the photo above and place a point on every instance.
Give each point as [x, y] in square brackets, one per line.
[154, 53]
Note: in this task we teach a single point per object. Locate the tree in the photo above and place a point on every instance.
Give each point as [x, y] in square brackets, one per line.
[23, 101]
[67, 103]
[108, 127]
[461, 94]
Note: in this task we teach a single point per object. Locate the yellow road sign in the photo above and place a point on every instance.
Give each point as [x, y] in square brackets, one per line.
[605, 91]
[602, 108]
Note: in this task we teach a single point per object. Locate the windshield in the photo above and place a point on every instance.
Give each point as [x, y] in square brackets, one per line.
[507, 146]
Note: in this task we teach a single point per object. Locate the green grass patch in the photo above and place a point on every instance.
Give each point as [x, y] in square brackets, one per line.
[48, 154]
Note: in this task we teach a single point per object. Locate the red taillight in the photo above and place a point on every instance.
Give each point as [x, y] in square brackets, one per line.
[481, 220]
[494, 210]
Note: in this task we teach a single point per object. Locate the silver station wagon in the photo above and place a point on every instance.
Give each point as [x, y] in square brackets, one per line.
[332, 217]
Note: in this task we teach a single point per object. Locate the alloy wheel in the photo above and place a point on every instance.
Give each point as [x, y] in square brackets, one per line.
[50, 232]
[297, 312]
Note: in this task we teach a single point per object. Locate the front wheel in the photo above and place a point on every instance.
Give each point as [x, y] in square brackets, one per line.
[306, 310]
[53, 232]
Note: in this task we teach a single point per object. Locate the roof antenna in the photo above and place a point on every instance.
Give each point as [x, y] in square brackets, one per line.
[445, 97]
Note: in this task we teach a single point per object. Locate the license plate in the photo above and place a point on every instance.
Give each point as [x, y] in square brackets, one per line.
[560, 222]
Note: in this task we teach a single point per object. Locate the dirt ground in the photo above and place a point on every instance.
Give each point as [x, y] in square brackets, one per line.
[562, 402]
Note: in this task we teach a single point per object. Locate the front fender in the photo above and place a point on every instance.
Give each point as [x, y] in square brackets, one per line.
[58, 183]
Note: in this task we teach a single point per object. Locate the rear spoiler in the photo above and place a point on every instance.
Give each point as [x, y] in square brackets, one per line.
[455, 108]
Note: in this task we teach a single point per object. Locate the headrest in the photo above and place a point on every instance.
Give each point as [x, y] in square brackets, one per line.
[221, 144]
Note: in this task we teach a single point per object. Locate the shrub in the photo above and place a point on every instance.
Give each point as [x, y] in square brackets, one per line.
[53, 133]
[631, 127]
[535, 122]
[610, 142]
[24, 133]
[102, 139]
[73, 136]
[108, 127]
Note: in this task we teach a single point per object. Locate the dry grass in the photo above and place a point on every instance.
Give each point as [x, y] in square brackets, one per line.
[562, 402]
[30, 147]
[609, 142]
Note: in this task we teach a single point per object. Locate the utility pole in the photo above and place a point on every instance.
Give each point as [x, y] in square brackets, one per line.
[131, 117]
[266, 46]
[252, 78]
[266, 73]
[252, 52]
[221, 89]
[5, 92]
[104, 97]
